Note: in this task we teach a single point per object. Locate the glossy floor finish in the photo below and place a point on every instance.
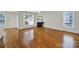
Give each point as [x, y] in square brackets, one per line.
[39, 38]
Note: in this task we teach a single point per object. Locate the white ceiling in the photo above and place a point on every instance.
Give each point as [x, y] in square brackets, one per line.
[33, 11]
[27, 11]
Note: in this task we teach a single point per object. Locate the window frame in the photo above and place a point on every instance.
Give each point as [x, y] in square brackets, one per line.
[4, 20]
[24, 18]
[64, 25]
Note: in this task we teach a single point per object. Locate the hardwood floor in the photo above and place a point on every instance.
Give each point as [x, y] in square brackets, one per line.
[39, 38]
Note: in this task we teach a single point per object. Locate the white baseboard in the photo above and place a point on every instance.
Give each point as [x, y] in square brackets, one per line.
[62, 30]
[25, 27]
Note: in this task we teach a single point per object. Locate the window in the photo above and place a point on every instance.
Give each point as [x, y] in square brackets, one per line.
[28, 19]
[2, 19]
[68, 19]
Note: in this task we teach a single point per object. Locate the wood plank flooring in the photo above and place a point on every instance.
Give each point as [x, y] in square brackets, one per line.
[39, 38]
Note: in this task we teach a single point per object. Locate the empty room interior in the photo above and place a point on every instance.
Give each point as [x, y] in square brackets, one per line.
[39, 29]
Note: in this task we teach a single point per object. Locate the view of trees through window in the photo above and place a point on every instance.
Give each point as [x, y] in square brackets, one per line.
[2, 19]
[28, 19]
[69, 19]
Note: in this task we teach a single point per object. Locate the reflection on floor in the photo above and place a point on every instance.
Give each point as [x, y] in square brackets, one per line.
[28, 36]
[39, 38]
[68, 41]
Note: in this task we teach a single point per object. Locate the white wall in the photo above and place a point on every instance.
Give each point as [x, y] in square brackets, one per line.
[15, 19]
[54, 20]
[11, 19]
[20, 19]
[76, 29]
